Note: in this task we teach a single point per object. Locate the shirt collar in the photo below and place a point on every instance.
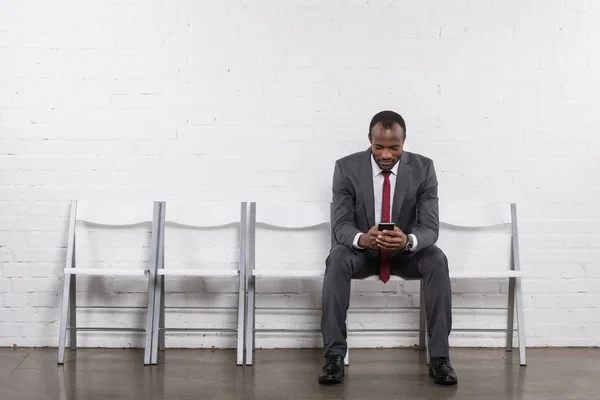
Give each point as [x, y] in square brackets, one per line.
[377, 170]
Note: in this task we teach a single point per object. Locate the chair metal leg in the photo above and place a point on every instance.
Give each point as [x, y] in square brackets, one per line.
[254, 320]
[152, 279]
[511, 314]
[161, 323]
[149, 314]
[347, 357]
[422, 318]
[156, 319]
[520, 322]
[516, 264]
[62, 337]
[251, 286]
[68, 280]
[240, 319]
[242, 270]
[250, 321]
[73, 313]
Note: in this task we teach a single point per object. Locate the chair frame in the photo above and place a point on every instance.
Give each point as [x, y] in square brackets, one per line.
[158, 324]
[68, 319]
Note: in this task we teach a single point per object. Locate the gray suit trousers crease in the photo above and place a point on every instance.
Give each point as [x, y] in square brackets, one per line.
[344, 264]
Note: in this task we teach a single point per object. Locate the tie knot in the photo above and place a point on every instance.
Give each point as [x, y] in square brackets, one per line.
[386, 173]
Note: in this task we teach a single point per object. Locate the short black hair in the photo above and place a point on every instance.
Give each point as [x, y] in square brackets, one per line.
[388, 119]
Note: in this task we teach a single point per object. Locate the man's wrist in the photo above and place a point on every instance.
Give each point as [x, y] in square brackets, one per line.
[361, 238]
[411, 242]
[356, 241]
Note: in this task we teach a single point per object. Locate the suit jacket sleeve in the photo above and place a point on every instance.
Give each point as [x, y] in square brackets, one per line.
[428, 211]
[342, 218]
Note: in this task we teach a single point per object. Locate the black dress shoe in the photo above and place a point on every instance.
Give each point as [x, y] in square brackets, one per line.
[333, 371]
[442, 372]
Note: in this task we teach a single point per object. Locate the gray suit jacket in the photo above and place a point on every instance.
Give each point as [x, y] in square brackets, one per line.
[414, 207]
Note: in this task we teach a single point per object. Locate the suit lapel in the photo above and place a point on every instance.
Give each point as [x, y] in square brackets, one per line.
[365, 172]
[401, 185]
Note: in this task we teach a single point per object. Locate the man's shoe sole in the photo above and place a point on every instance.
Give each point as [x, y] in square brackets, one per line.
[331, 381]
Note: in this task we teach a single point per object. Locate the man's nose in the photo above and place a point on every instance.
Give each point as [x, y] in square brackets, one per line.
[386, 154]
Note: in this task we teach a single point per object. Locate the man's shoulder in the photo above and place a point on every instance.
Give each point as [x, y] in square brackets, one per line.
[419, 160]
[352, 159]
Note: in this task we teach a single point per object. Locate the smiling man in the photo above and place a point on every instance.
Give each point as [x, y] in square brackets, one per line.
[385, 185]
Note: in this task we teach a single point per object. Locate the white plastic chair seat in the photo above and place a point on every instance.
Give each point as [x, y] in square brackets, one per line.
[106, 271]
[276, 273]
[486, 274]
[198, 272]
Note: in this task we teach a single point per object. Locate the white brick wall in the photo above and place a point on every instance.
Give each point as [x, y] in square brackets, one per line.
[235, 100]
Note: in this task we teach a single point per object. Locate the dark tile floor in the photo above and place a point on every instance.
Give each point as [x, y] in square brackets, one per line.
[92, 374]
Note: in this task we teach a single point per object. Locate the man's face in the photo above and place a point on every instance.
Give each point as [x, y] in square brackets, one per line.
[386, 145]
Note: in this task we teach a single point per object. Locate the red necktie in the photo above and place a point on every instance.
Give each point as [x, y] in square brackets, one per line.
[384, 269]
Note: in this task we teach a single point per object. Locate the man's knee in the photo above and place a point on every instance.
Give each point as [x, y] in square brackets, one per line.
[434, 259]
[339, 260]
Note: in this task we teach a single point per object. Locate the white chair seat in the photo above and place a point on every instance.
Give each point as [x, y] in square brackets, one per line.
[106, 271]
[198, 272]
[486, 275]
[275, 273]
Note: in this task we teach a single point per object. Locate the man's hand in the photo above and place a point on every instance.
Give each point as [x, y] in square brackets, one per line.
[369, 239]
[391, 240]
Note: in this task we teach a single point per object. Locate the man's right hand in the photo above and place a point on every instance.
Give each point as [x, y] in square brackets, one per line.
[369, 239]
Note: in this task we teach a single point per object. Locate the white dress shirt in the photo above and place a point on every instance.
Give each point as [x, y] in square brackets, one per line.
[378, 197]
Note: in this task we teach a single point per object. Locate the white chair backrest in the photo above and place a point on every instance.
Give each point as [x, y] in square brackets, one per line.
[292, 236]
[476, 238]
[115, 214]
[113, 234]
[202, 235]
[293, 216]
[475, 216]
[203, 215]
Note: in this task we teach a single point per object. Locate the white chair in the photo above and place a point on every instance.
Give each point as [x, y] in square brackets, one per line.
[474, 258]
[452, 217]
[112, 215]
[200, 216]
[481, 221]
[284, 217]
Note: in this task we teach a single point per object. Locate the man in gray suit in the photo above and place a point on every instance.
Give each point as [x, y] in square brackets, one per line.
[386, 185]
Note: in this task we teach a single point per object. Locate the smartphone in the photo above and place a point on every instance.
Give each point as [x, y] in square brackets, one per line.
[386, 226]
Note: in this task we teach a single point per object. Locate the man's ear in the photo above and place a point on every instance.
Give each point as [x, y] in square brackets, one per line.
[370, 138]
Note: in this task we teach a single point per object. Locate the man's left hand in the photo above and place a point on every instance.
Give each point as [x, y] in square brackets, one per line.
[392, 240]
